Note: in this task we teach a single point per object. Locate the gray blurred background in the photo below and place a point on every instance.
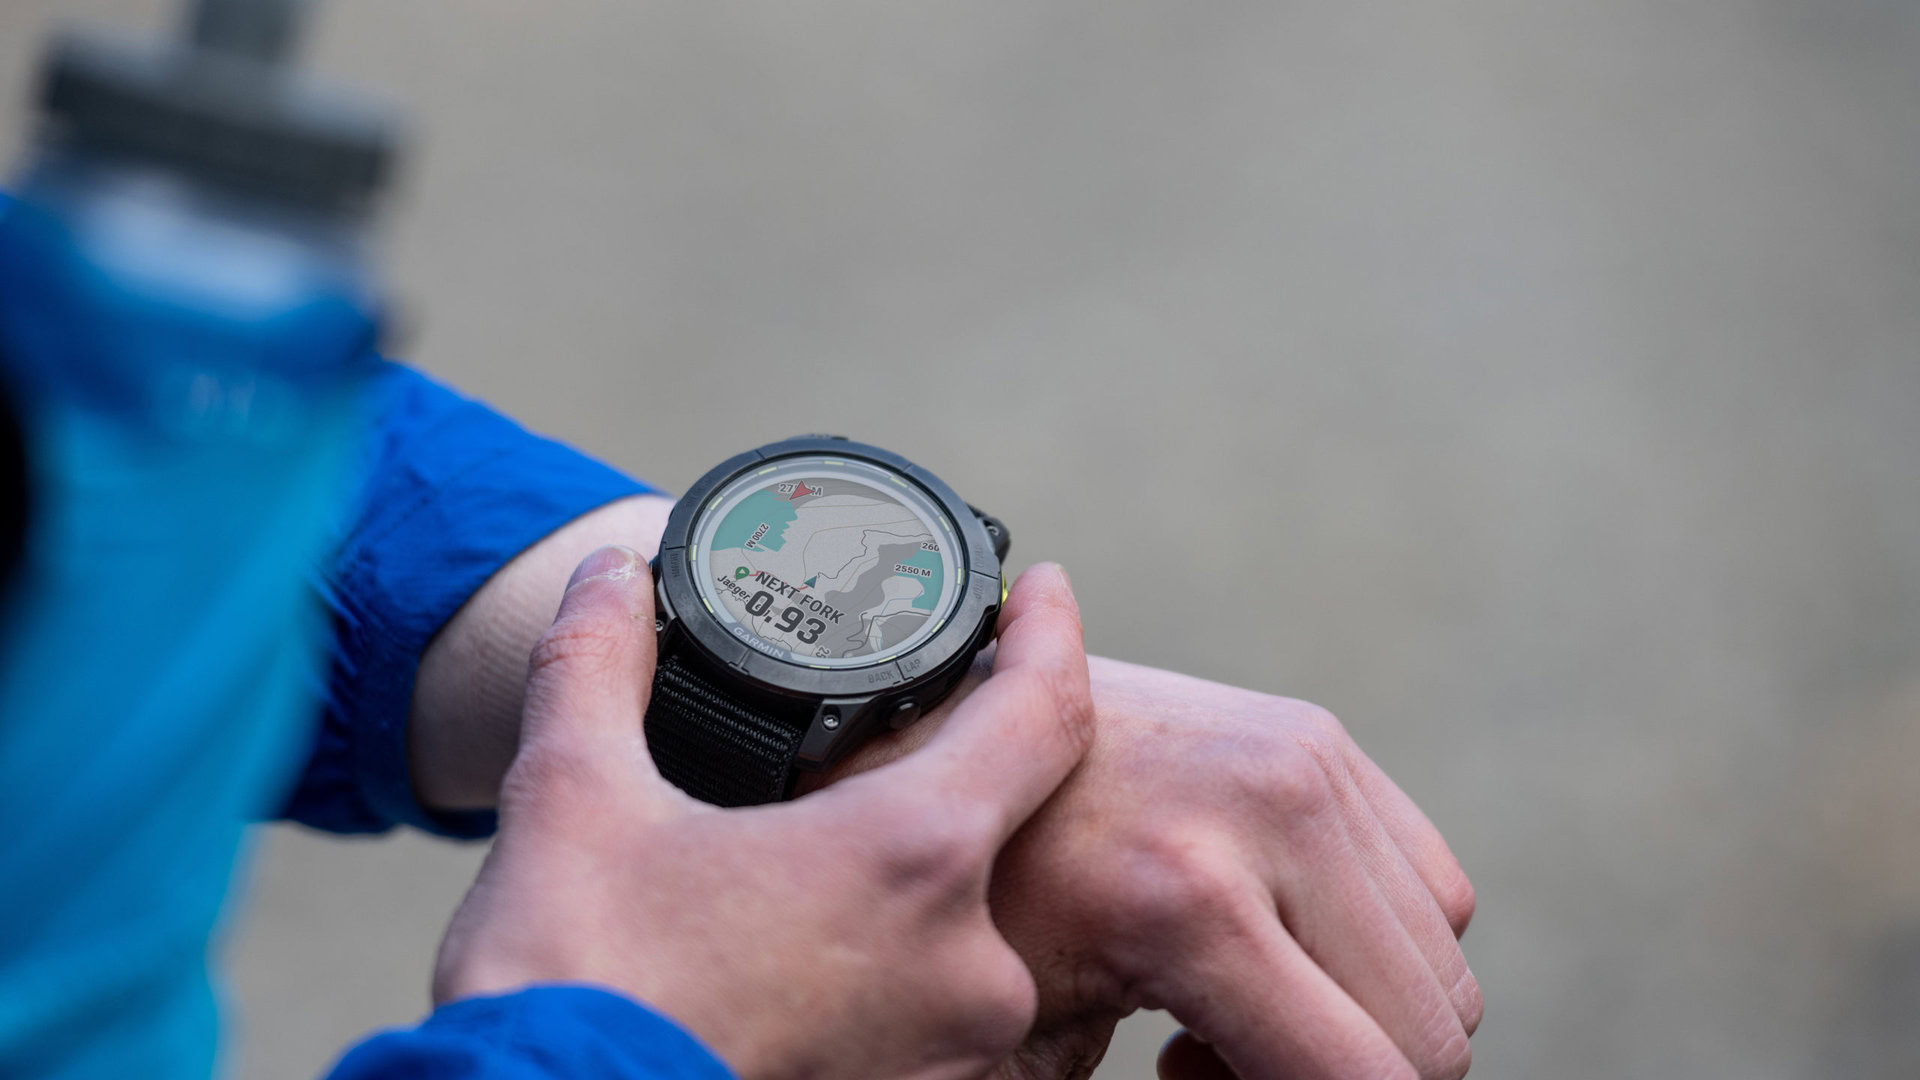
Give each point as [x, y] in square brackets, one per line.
[1534, 384]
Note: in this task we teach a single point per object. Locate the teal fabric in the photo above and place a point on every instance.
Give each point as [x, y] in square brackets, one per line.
[189, 441]
[164, 654]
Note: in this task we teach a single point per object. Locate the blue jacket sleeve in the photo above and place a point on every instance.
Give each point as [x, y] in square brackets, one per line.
[543, 1033]
[452, 492]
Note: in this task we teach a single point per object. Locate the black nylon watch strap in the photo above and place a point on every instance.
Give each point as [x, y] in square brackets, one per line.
[715, 745]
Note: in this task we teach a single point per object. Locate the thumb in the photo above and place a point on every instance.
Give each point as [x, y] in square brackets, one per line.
[588, 681]
[1010, 744]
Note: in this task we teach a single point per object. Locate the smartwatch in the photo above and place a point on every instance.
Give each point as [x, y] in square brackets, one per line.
[811, 594]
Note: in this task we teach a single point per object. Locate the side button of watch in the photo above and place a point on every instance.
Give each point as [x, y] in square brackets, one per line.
[903, 714]
[996, 532]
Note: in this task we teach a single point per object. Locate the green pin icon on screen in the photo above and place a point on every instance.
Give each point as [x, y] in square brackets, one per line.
[740, 572]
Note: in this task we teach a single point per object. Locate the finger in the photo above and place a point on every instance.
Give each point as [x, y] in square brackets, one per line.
[1186, 1057]
[591, 673]
[1425, 849]
[1341, 918]
[1010, 744]
[1414, 905]
[1271, 1013]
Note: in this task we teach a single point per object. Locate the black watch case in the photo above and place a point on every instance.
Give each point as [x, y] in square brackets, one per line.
[850, 705]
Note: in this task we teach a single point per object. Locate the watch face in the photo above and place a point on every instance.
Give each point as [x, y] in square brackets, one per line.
[827, 562]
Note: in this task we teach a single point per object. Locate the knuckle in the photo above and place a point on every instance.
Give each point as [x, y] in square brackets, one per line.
[1471, 1004]
[1318, 718]
[941, 854]
[1456, 898]
[1394, 1068]
[577, 646]
[1285, 770]
[1385, 1062]
[1440, 1049]
[1450, 1060]
[1174, 888]
[1297, 784]
[1066, 695]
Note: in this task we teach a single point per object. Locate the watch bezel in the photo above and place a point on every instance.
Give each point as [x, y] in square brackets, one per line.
[956, 640]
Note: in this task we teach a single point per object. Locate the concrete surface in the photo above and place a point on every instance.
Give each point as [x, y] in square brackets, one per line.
[1534, 384]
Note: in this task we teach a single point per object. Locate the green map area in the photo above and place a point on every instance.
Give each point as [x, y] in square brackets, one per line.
[927, 560]
[757, 509]
[860, 568]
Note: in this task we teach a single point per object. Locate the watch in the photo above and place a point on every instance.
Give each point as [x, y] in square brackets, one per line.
[811, 594]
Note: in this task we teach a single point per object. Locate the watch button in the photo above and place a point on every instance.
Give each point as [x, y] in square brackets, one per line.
[904, 714]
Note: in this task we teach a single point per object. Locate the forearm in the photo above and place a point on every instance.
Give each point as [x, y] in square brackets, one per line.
[465, 716]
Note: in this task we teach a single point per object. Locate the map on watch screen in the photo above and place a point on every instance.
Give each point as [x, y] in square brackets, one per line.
[828, 562]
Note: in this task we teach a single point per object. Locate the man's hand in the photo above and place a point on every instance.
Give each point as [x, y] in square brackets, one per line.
[1234, 858]
[1229, 855]
[844, 934]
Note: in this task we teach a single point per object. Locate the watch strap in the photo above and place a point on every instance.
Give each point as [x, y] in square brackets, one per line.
[716, 745]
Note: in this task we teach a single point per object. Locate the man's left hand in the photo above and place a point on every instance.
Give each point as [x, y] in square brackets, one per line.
[1234, 858]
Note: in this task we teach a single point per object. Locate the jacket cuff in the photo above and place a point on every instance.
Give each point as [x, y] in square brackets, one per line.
[453, 492]
[535, 1034]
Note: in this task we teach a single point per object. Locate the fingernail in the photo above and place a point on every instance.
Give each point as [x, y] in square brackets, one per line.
[613, 561]
[1064, 579]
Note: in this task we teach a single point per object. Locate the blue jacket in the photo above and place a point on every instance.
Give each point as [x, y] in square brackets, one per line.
[453, 491]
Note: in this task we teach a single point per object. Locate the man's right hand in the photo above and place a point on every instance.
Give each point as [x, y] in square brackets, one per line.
[844, 934]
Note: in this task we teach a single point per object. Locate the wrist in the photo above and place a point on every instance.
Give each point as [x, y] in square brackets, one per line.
[464, 722]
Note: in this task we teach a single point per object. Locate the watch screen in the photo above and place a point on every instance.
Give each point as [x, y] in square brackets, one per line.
[826, 561]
